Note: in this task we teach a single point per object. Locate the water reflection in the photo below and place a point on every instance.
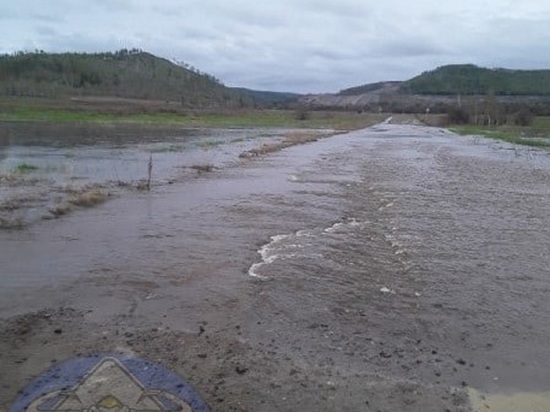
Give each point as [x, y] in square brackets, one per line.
[41, 163]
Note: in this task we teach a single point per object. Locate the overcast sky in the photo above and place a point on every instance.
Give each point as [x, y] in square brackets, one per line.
[292, 45]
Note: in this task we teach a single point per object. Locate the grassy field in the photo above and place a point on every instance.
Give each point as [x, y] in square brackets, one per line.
[165, 113]
[541, 125]
[133, 112]
[536, 135]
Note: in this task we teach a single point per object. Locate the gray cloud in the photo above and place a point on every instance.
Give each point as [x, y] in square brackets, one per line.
[294, 45]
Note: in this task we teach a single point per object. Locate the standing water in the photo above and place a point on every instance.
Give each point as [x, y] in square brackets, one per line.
[387, 268]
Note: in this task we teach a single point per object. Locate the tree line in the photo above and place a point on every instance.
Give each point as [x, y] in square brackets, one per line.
[489, 111]
[469, 79]
[125, 73]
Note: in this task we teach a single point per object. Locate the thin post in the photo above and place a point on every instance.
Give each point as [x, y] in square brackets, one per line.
[150, 171]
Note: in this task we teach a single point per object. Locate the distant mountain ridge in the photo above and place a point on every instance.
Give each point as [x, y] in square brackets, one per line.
[464, 79]
[132, 74]
[135, 74]
[268, 97]
[441, 88]
[468, 79]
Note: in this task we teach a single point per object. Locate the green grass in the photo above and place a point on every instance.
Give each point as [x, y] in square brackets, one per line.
[36, 114]
[173, 148]
[209, 144]
[541, 125]
[537, 135]
[35, 110]
[25, 168]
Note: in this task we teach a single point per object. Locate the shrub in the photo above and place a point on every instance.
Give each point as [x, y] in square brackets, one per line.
[25, 168]
[524, 117]
[458, 115]
[302, 114]
[88, 197]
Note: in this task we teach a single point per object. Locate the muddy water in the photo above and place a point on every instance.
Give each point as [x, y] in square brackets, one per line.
[42, 165]
[387, 269]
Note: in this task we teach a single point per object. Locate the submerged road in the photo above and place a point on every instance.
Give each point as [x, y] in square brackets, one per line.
[394, 268]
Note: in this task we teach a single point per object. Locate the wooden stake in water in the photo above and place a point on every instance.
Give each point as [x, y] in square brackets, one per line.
[150, 171]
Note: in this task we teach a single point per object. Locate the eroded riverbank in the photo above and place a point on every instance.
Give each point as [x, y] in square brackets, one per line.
[393, 268]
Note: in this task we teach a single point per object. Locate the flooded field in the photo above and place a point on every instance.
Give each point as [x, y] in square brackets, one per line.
[394, 268]
[47, 169]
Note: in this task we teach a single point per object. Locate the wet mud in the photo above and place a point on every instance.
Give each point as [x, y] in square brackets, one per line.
[394, 268]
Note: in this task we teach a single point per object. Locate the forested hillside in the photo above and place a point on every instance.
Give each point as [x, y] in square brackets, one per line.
[464, 79]
[268, 98]
[125, 73]
[469, 79]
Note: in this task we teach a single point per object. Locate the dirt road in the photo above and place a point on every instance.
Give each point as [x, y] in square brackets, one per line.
[395, 268]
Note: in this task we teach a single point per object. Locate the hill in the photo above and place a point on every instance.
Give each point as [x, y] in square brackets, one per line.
[267, 98]
[464, 79]
[468, 79]
[125, 74]
[377, 88]
[439, 89]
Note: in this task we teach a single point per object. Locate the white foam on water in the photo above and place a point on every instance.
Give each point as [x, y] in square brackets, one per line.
[293, 246]
[268, 255]
[253, 271]
[280, 247]
[304, 233]
[394, 243]
[340, 227]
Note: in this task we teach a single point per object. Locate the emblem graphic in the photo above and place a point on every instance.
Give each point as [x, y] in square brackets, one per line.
[111, 383]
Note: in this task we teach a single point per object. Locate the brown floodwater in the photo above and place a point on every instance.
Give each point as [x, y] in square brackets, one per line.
[43, 164]
[394, 254]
